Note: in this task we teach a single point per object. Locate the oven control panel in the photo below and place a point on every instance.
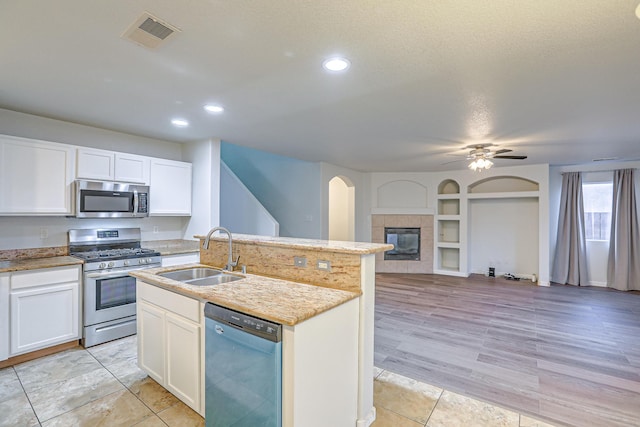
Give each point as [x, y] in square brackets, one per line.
[153, 261]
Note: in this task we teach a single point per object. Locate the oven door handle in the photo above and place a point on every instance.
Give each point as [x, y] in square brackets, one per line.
[111, 275]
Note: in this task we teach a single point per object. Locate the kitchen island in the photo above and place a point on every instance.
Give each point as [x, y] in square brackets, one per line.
[322, 292]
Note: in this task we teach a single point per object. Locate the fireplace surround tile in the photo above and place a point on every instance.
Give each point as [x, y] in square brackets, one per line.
[424, 222]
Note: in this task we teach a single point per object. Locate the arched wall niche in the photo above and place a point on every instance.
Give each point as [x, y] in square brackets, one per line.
[402, 194]
[503, 184]
[341, 205]
[345, 179]
[449, 186]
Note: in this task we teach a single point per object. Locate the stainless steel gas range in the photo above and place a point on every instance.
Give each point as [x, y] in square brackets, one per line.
[109, 292]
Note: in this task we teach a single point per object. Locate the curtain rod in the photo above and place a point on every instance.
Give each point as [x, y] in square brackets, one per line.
[600, 170]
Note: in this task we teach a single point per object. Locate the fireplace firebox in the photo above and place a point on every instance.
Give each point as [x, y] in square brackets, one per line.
[405, 241]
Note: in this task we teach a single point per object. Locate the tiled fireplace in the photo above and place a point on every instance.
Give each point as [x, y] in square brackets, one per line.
[404, 229]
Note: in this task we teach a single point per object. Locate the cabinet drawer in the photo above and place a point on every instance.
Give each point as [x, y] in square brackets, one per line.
[176, 303]
[48, 276]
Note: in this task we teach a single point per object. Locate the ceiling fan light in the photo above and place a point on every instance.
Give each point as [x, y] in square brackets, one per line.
[480, 163]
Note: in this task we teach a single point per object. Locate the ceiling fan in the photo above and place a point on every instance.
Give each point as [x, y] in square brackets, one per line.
[481, 156]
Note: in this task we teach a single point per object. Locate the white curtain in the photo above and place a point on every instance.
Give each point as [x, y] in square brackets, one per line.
[570, 263]
[623, 271]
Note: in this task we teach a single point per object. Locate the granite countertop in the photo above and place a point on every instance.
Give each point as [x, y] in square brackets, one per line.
[172, 247]
[335, 246]
[280, 301]
[35, 263]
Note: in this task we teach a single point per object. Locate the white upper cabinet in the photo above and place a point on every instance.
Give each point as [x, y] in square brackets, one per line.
[96, 164]
[132, 168]
[170, 188]
[105, 165]
[35, 177]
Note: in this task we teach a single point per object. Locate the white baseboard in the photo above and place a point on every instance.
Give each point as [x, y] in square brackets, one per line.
[523, 276]
[598, 284]
[371, 417]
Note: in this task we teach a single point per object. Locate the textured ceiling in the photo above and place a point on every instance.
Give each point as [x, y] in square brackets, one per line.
[558, 81]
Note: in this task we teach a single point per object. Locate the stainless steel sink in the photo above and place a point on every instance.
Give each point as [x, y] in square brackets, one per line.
[201, 276]
[190, 274]
[215, 280]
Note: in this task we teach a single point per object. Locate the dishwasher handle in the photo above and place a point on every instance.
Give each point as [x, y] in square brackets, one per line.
[253, 325]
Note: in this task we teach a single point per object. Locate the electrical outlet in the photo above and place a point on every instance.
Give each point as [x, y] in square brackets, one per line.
[299, 261]
[156, 229]
[44, 233]
[323, 265]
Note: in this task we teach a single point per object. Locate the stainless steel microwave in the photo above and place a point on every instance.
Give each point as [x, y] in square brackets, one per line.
[103, 199]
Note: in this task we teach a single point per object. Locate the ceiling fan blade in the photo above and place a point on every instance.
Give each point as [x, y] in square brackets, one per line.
[452, 161]
[504, 150]
[510, 157]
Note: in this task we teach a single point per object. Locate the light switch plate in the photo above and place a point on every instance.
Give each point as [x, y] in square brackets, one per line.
[299, 261]
[323, 265]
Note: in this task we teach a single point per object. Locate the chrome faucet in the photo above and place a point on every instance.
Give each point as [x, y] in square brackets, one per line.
[230, 262]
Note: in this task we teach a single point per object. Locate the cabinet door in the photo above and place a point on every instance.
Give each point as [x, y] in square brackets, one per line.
[96, 164]
[35, 177]
[171, 260]
[44, 316]
[151, 343]
[132, 168]
[183, 359]
[4, 316]
[170, 183]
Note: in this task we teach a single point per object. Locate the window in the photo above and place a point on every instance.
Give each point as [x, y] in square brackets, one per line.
[597, 197]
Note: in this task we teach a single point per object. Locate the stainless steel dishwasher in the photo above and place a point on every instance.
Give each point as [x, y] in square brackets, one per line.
[243, 369]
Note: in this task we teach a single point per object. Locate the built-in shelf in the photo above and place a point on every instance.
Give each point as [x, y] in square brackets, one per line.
[504, 195]
[448, 231]
[447, 245]
[448, 259]
[449, 186]
[453, 245]
[449, 206]
[448, 196]
[449, 217]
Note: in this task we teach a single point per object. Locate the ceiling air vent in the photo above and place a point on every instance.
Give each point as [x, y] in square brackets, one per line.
[149, 31]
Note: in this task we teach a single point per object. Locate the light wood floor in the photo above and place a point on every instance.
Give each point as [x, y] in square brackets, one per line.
[570, 355]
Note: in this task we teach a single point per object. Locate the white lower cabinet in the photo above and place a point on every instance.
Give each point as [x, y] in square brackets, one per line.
[151, 343]
[45, 308]
[4, 315]
[169, 342]
[179, 259]
[183, 359]
[319, 358]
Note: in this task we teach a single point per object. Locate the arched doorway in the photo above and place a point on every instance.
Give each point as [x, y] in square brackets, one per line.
[341, 209]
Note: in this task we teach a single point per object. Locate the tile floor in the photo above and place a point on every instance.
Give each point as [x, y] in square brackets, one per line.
[102, 386]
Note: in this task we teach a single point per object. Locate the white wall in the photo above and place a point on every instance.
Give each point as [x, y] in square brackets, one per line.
[361, 193]
[341, 210]
[430, 180]
[36, 127]
[25, 232]
[503, 235]
[205, 196]
[597, 251]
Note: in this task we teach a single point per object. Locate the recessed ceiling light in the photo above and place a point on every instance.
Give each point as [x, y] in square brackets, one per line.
[336, 64]
[211, 108]
[181, 123]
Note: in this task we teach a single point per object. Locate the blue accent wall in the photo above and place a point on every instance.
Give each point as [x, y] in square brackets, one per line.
[290, 189]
